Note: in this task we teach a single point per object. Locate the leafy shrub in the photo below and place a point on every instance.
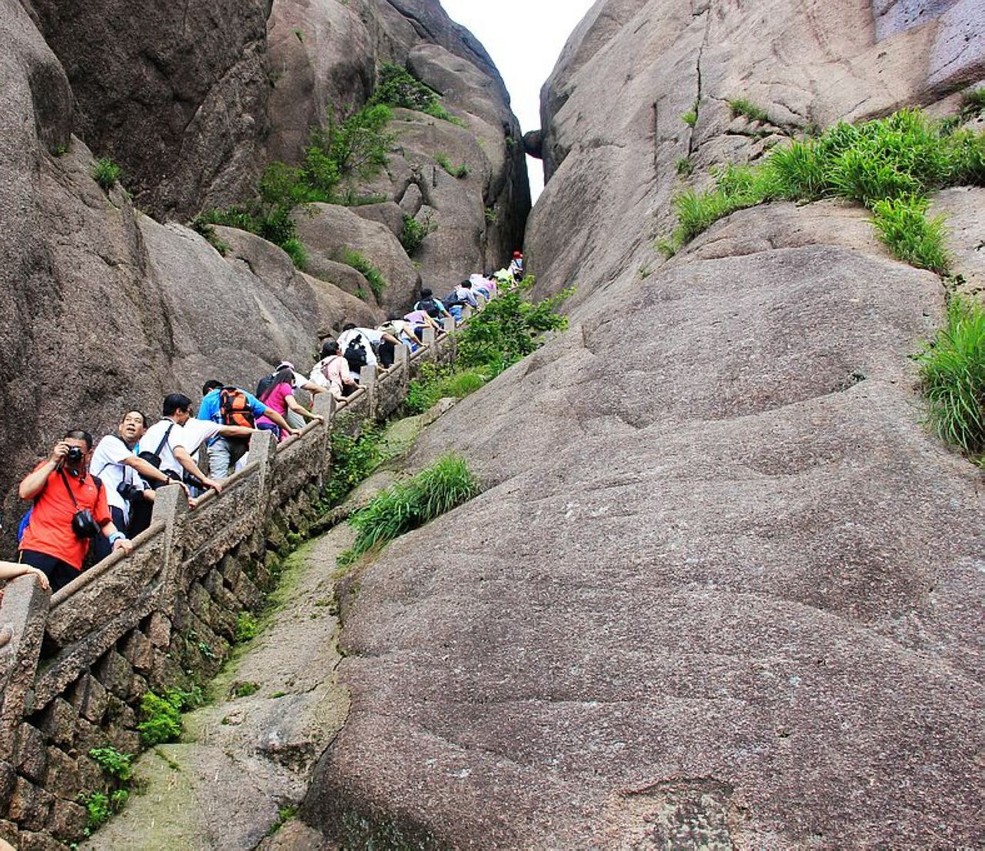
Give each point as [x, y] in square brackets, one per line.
[747, 109]
[377, 283]
[953, 371]
[458, 171]
[911, 237]
[161, 716]
[447, 483]
[296, 251]
[106, 173]
[414, 231]
[508, 328]
[353, 459]
[396, 86]
[114, 763]
[246, 627]
[337, 155]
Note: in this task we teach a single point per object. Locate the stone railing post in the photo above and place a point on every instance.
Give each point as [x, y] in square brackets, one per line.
[481, 300]
[171, 508]
[427, 338]
[368, 379]
[466, 312]
[326, 405]
[449, 323]
[24, 610]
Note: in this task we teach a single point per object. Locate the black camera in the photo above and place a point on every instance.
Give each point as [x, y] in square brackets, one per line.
[84, 524]
[74, 455]
[129, 491]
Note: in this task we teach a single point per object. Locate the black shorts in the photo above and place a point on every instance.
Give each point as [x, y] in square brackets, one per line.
[59, 572]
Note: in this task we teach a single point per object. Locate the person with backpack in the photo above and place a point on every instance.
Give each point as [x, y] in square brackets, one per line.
[280, 396]
[173, 441]
[432, 306]
[458, 298]
[366, 347]
[232, 406]
[332, 371]
[123, 474]
[69, 510]
[294, 420]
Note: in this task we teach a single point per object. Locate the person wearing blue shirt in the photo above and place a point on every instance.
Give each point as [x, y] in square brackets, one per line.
[225, 452]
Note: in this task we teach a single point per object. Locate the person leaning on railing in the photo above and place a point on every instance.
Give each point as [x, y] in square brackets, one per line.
[70, 509]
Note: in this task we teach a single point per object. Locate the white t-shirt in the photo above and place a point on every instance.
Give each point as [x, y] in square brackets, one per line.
[371, 339]
[107, 463]
[191, 436]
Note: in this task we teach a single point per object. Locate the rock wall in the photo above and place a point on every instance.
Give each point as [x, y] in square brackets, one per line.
[724, 588]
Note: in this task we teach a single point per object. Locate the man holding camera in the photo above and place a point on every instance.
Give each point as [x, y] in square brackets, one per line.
[70, 509]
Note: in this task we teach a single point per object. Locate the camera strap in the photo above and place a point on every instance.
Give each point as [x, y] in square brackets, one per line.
[71, 495]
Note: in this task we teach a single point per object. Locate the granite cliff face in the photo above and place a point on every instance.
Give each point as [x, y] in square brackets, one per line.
[111, 301]
[724, 588]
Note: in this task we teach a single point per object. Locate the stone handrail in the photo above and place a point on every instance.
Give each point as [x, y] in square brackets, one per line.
[78, 663]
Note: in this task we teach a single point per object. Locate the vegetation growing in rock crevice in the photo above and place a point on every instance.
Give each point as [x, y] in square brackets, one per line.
[889, 165]
[508, 329]
[437, 489]
[414, 232]
[397, 87]
[374, 277]
[953, 371]
[337, 155]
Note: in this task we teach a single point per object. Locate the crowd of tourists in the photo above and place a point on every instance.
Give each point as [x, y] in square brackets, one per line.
[90, 499]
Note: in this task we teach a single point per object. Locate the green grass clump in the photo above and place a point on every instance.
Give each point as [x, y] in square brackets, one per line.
[747, 109]
[247, 627]
[690, 118]
[460, 171]
[879, 163]
[106, 173]
[374, 277]
[912, 237]
[435, 382]
[953, 371]
[446, 484]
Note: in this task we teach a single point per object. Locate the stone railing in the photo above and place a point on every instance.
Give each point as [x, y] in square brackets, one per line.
[78, 664]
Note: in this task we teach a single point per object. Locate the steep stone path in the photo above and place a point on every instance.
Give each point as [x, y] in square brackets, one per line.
[246, 758]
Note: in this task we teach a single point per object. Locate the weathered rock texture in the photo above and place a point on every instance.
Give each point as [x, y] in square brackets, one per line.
[107, 307]
[724, 588]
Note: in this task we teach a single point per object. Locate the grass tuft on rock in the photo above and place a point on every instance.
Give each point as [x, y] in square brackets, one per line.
[953, 371]
[886, 165]
[437, 489]
[106, 173]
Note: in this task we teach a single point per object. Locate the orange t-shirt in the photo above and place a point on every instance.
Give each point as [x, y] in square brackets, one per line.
[50, 529]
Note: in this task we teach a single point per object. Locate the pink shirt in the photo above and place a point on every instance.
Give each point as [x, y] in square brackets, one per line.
[277, 400]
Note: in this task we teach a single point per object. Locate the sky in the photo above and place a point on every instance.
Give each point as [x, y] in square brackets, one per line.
[524, 39]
